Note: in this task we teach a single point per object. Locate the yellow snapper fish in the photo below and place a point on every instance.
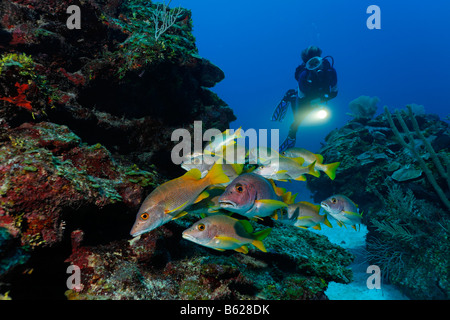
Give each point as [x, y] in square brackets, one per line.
[168, 200]
[198, 161]
[303, 215]
[286, 169]
[222, 233]
[252, 196]
[223, 140]
[205, 163]
[262, 155]
[309, 157]
[344, 210]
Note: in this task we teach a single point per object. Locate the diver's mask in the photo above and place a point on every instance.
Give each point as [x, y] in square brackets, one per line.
[314, 63]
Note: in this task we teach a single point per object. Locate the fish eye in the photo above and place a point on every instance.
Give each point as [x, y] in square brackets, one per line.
[239, 188]
[144, 216]
[333, 200]
[201, 227]
[196, 161]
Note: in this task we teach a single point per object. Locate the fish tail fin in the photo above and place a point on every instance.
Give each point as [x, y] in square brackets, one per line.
[331, 169]
[289, 198]
[312, 170]
[216, 175]
[259, 237]
[238, 133]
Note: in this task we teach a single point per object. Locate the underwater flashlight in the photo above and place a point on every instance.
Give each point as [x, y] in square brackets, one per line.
[322, 114]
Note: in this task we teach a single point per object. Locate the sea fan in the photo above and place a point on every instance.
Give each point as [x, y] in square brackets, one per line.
[394, 230]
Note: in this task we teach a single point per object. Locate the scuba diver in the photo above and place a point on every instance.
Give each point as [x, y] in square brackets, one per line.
[317, 83]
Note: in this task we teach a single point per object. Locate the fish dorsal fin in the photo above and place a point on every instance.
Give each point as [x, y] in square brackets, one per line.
[193, 174]
[299, 160]
[247, 226]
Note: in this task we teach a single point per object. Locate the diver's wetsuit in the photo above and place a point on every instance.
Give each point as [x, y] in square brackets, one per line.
[311, 86]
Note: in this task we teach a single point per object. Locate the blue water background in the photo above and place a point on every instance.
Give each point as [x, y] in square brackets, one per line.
[258, 44]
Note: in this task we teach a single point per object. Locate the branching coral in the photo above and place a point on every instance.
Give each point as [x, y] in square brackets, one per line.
[410, 145]
[163, 18]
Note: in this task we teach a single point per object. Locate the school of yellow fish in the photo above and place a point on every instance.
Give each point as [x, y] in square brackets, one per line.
[251, 195]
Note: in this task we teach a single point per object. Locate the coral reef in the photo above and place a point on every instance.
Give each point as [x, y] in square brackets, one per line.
[86, 117]
[161, 265]
[111, 80]
[407, 221]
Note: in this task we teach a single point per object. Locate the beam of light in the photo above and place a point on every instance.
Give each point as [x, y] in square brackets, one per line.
[322, 114]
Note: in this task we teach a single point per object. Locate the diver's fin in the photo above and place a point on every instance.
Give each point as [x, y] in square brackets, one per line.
[280, 111]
